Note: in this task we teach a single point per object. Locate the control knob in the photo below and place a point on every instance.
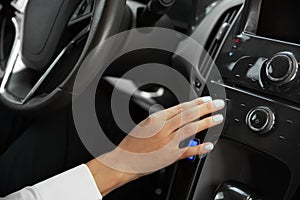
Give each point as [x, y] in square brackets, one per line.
[260, 120]
[282, 68]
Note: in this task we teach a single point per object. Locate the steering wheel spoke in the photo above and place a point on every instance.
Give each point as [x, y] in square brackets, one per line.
[13, 55]
[20, 5]
[81, 34]
[15, 66]
[83, 12]
[51, 40]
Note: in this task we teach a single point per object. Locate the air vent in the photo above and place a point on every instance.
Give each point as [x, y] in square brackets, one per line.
[216, 38]
[220, 31]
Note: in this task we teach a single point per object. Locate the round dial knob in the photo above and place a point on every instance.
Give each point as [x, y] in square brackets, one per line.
[282, 68]
[260, 119]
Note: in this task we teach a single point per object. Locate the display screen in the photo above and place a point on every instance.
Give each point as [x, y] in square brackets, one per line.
[280, 20]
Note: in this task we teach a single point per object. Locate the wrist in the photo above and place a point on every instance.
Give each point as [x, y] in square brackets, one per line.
[109, 179]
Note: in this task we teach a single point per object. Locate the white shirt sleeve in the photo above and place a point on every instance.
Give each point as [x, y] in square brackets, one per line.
[75, 184]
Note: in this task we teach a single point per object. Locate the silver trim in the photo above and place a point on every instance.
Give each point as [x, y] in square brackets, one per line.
[13, 66]
[269, 124]
[144, 99]
[269, 39]
[159, 93]
[222, 31]
[255, 95]
[44, 76]
[130, 88]
[13, 56]
[53, 64]
[269, 66]
[292, 72]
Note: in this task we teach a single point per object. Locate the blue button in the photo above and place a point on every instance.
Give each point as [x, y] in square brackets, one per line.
[193, 143]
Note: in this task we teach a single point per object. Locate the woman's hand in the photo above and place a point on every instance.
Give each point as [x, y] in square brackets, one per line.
[154, 143]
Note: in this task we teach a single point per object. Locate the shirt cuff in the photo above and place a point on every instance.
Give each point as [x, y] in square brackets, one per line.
[75, 184]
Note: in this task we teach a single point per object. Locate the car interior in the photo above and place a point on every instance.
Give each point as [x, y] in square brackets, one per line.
[254, 44]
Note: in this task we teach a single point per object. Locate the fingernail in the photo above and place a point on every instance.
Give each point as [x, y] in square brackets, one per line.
[219, 103]
[209, 147]
[218, 118]
[206, 99]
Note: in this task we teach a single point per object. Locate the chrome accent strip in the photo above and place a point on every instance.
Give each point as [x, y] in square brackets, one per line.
[44, 76]
[16, 53]
[142, 98]
[149, 95]
[292, 72]
[13, 56]
[255, 95]
[268, 69]
[53, 64]
[270, 39]
[130, 88]
[269, 124]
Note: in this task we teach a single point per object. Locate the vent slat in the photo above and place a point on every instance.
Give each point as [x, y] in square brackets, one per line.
[216, 39]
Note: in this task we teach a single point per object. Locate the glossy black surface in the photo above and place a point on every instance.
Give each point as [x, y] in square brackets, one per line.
[232, 190]
[258, 158]
[279, 20]
[242, 60]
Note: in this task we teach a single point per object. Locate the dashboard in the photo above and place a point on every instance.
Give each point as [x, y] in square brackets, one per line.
[258, 57]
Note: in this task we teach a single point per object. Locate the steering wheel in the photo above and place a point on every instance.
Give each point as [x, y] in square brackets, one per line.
[51, 40]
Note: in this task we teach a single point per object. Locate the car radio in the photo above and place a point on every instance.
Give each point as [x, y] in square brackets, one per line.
[265, 56]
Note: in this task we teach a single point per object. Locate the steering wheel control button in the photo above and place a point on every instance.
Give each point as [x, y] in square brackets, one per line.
[260, 120]
[83, 11]
[282, 68]
[198, 84]
[193, 143]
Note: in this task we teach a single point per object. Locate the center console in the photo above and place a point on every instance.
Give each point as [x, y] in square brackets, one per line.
[259, 62]
[265, 56]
